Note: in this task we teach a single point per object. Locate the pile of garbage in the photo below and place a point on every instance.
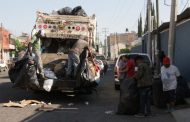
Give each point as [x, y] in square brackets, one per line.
[77, 11]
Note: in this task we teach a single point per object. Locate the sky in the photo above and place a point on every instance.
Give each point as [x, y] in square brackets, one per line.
[19, 15]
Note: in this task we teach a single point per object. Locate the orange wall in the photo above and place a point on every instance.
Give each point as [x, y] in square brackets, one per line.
[6, 38]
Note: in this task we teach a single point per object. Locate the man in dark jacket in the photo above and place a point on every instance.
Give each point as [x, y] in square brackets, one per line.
[144, 83]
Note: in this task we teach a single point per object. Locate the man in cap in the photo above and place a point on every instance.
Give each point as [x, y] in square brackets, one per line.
[169, 75]
[36, 48]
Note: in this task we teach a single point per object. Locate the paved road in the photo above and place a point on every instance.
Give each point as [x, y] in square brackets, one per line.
[104, 101]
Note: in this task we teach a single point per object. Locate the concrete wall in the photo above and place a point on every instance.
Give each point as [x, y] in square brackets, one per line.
[164, 41]
[182, 47]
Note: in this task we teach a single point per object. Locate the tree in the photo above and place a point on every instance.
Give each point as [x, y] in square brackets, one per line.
[126, 50]
[140, 26]
[154, 17]
[19, 46]
[146, 22]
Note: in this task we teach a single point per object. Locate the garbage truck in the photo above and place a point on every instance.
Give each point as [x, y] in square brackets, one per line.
[61, 32]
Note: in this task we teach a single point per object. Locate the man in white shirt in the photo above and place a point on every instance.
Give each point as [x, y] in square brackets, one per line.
[169, 75]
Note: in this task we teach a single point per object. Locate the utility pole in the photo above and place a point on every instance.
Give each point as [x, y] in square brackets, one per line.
[158, 45]
[115, 43]
[149, 28]
[171, 39]
[157, 13]
[117, 37]
[1, 50]
[105, 31]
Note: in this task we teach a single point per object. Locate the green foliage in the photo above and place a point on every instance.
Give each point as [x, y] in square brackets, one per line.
[126, 50]
[19, 46]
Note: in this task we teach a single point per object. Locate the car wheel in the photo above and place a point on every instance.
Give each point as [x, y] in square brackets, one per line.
[117, 87]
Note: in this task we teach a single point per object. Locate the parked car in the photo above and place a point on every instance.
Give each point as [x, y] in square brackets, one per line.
[146, 59]
[3, 66]
[103, 59]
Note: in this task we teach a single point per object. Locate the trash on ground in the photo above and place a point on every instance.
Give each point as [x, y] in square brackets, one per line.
[22, 104]
[109, 112]
[86, 103]
[49, 103]
[45, 108]
[34, 104]
[71, 104]
[71, 95]
[49, 109]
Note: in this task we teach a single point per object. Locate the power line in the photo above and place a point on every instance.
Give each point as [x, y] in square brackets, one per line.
[105, 31]
[185, 5]
[142, 11]
[114, 18]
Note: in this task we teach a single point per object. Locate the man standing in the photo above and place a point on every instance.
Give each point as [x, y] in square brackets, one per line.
[36, 48]
[144, 85]
[73, 56]
[122, 65]
[169, 74]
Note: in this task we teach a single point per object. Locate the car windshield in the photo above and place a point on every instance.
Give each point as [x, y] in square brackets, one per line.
[100, 57]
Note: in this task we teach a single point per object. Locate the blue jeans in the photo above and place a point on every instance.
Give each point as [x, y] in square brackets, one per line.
[145, 100]
[73, 61]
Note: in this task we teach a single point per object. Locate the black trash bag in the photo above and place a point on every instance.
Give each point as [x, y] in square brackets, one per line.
[23, 74]
[85, 78]
[65, 11]
[158, 94]
[14, 71]
[182, 90]
[78, 11]
[129, 98]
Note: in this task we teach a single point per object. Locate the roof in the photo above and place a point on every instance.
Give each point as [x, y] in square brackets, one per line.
[184, 15]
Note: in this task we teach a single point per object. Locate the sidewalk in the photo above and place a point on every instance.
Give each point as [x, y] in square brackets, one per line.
[182, 115]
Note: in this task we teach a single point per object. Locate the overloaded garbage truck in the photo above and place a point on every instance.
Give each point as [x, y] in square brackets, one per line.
[62, 29]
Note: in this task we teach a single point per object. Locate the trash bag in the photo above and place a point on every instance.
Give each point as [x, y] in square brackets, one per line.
[49, 74]
[65, 11]
[86, 73]
[78, 11]
[182, 90]
[129, 99]
[24, 74]
[48, 85]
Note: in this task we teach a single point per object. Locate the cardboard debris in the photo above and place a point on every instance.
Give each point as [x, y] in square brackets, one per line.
[46, 108]
[13, 104]
[49, 109]
[22, 104]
